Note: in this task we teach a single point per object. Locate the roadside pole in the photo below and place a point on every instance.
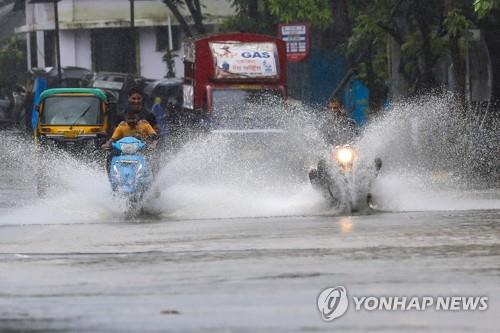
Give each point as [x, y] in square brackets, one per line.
[133, 60]
[56, 28]
[58, 47]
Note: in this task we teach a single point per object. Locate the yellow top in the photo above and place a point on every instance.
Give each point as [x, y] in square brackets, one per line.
[142, 130]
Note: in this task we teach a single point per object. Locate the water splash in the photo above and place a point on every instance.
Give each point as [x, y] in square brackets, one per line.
[245, 174]
[430, 157]
[78, 192]
[426, 156]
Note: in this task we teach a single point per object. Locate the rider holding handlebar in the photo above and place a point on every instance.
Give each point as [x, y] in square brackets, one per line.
[132, 126]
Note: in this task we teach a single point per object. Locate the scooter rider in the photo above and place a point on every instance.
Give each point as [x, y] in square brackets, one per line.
[132, 126]
[337, 127]
[341, 128]
[135, 99]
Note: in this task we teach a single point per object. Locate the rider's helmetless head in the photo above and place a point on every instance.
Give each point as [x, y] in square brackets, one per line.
[135, 98]
[336, 106]
[131, 118]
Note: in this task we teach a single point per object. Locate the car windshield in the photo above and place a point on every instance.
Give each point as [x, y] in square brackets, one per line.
[109, 81]
[71, 110]
[242, 109]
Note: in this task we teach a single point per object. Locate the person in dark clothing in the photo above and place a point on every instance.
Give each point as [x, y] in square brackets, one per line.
[136, 102]
[337, 127]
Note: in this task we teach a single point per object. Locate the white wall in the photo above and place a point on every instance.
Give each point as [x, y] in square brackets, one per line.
[67, 44]
[75, 48]
[83, 49]
[151, 65]
[76, 14]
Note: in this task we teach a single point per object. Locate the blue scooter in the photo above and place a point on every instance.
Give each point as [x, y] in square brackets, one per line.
[129, 173]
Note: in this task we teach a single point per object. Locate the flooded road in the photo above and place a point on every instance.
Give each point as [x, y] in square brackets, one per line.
[228, 246]
[246, 275]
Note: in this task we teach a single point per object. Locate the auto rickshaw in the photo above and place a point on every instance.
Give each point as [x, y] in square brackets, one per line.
[74, 120]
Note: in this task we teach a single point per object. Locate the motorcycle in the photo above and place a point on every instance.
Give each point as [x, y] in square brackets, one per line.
[130, 175]
[346, 180]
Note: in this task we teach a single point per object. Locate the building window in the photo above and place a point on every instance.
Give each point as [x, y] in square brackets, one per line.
[112, 50]
[50, 48]
[33, 49]
[162, 38]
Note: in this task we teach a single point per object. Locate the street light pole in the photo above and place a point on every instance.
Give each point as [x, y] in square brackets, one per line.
[133, 61]
[56, 26]
[58, 48]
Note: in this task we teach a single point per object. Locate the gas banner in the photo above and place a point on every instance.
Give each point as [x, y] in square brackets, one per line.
[244, 60]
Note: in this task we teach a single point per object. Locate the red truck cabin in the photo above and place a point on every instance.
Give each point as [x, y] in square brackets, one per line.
[227, 67]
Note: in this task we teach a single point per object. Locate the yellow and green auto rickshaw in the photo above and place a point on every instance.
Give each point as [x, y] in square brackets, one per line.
[74, 119]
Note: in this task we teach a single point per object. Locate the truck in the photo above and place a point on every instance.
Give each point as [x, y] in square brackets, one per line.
[232, 80]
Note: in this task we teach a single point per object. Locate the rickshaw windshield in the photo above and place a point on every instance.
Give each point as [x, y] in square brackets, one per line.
[71, 110]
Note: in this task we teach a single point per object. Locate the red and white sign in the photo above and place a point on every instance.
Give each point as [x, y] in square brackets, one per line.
[296, 37]
[235, 60]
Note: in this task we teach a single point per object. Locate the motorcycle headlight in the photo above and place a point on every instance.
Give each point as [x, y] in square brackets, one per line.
[345, 155]
[129, 148]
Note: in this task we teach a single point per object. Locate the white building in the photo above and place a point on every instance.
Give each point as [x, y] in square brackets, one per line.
[95, 34]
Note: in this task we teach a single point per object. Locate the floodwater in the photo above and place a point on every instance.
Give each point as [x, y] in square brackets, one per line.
[231, 246]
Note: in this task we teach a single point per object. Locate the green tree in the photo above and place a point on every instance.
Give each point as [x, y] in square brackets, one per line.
[420, 34]
[330, 20]
[485, 7]
[13, 66]
[194, 8]
[251, 16]
[12, 63]
[455, 23]
[424, 32]
[316, 12]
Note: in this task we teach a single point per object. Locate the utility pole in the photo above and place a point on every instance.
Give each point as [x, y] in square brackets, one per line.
[56, 26]
[58, 47]
[133, 60]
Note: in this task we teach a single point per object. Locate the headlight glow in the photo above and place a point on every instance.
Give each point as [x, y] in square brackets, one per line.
[345, 155]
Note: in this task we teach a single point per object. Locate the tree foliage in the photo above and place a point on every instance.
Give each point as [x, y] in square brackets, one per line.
[485, 7]
[13, 64]
[262, 15]
[252, 16]
[422, 34]
[317, 12]
[194, 8]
